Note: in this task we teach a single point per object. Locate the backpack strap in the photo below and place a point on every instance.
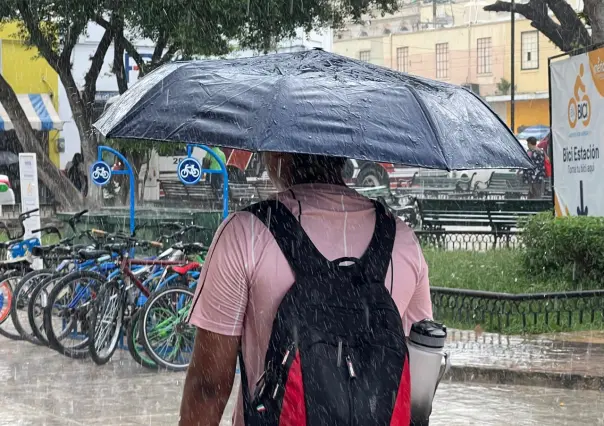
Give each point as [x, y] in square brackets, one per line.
[376, 259]
[302, 255]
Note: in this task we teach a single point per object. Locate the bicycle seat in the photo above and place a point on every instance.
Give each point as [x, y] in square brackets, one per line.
[92, 254]
[189, 247]
[193, 248]
[116, 247]
[182, 270]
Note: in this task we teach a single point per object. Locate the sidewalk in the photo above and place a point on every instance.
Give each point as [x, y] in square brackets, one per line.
[569, 360]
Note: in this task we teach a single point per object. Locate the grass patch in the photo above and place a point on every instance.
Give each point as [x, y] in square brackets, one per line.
[499, 271]
[503, 271]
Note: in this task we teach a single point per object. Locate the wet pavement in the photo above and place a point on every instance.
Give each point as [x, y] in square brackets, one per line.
[580, 353]
[41, 387]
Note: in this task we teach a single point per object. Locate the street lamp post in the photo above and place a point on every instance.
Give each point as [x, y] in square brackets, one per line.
[513, 76]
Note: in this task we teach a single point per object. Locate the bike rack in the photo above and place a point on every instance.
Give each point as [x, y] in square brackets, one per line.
[223, 171]
[128, 171]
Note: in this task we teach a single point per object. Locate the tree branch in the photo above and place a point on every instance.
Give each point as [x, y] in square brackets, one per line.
[595, 13]
[133, 53]
[96, 64]
[71, 40]
[160, 46]
[571, 24]
[566, 37]
[38, 38]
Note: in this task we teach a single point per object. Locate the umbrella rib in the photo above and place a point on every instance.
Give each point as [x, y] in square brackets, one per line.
[432, 126]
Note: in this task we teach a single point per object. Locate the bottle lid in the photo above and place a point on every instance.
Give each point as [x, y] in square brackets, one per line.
[428, 333]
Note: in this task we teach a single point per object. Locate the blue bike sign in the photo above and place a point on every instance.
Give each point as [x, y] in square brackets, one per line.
[100, 172]
[189, 171]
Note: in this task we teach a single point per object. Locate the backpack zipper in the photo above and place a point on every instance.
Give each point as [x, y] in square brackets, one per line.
[352, 375]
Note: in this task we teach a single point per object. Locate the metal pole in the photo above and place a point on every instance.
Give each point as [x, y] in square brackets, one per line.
[513, 76]
[130, 172]
[223, 172]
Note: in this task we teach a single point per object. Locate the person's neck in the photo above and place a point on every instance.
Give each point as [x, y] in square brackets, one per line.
[326, 180]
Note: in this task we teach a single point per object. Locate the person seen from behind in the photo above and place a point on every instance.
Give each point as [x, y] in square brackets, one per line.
[250, 294]
[210, 163]
[535, 177]
[76, 172]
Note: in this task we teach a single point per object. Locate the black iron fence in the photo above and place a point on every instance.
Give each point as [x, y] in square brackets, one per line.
[468, 240]
[513, 313]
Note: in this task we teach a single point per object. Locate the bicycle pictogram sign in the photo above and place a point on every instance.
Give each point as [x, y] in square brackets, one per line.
[100, 172]
[189, 171]
[579, 107]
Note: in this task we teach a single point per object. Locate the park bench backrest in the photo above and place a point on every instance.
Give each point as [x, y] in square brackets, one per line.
[176, 190]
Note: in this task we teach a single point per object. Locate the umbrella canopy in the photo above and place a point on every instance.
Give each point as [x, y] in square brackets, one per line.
[315, 102]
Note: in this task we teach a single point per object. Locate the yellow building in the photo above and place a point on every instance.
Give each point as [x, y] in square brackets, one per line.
[36, 85]
[461, 44]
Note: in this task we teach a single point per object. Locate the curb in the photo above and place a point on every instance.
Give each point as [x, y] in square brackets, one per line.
[525, 378]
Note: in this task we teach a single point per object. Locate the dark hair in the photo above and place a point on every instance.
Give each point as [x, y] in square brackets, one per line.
[309, 168]
[531, 140]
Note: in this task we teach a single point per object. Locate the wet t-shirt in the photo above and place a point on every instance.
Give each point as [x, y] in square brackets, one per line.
[246, 276]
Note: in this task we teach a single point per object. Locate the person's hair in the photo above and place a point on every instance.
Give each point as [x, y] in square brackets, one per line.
[310, 168]
[531, 140]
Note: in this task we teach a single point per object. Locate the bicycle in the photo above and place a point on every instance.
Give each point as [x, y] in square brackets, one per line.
[116, 307]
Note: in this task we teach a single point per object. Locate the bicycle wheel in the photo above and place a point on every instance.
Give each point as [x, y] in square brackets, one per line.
[166, 336]
[66, 316]
[6, 298]
[135, 345]
[8, 281]
[20, 303]
[106, 319]
[37, 302]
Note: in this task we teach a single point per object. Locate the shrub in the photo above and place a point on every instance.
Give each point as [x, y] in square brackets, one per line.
[569, 247]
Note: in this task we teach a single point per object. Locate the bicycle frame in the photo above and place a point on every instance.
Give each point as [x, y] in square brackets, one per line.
[126, 263]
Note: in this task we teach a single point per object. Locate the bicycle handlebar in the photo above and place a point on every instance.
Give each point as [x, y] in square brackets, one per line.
[76, 219]
[49, 230]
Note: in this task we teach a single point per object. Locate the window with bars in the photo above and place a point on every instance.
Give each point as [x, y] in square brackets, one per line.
[442, 60]
[530, 50]
[365, 55]
[483, 50]
[402, 59]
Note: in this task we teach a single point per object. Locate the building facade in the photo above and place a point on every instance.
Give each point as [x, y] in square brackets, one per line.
[37, 87]
[462, 44]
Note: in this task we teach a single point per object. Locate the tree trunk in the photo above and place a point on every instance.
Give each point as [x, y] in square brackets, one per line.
[82, 117]
[594, 9]
[567, 34]
[65, 194]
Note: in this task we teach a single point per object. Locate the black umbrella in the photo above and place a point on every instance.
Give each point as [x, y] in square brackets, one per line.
[315, 102]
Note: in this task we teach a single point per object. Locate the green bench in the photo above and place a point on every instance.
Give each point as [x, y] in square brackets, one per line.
[499, 215]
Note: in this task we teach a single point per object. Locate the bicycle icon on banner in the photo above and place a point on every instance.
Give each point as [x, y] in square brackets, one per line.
[101, 173]
[189, 171]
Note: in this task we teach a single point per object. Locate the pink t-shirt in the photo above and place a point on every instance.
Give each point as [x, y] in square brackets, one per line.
[246, 276]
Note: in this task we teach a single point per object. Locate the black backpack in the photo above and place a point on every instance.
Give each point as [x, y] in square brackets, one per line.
[337, 352]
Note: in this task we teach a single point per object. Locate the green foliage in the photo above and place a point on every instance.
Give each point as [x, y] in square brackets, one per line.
[571, 248]
[144, 147]
[58, 23]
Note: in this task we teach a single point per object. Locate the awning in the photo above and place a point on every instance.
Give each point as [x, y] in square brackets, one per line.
[39, 110]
